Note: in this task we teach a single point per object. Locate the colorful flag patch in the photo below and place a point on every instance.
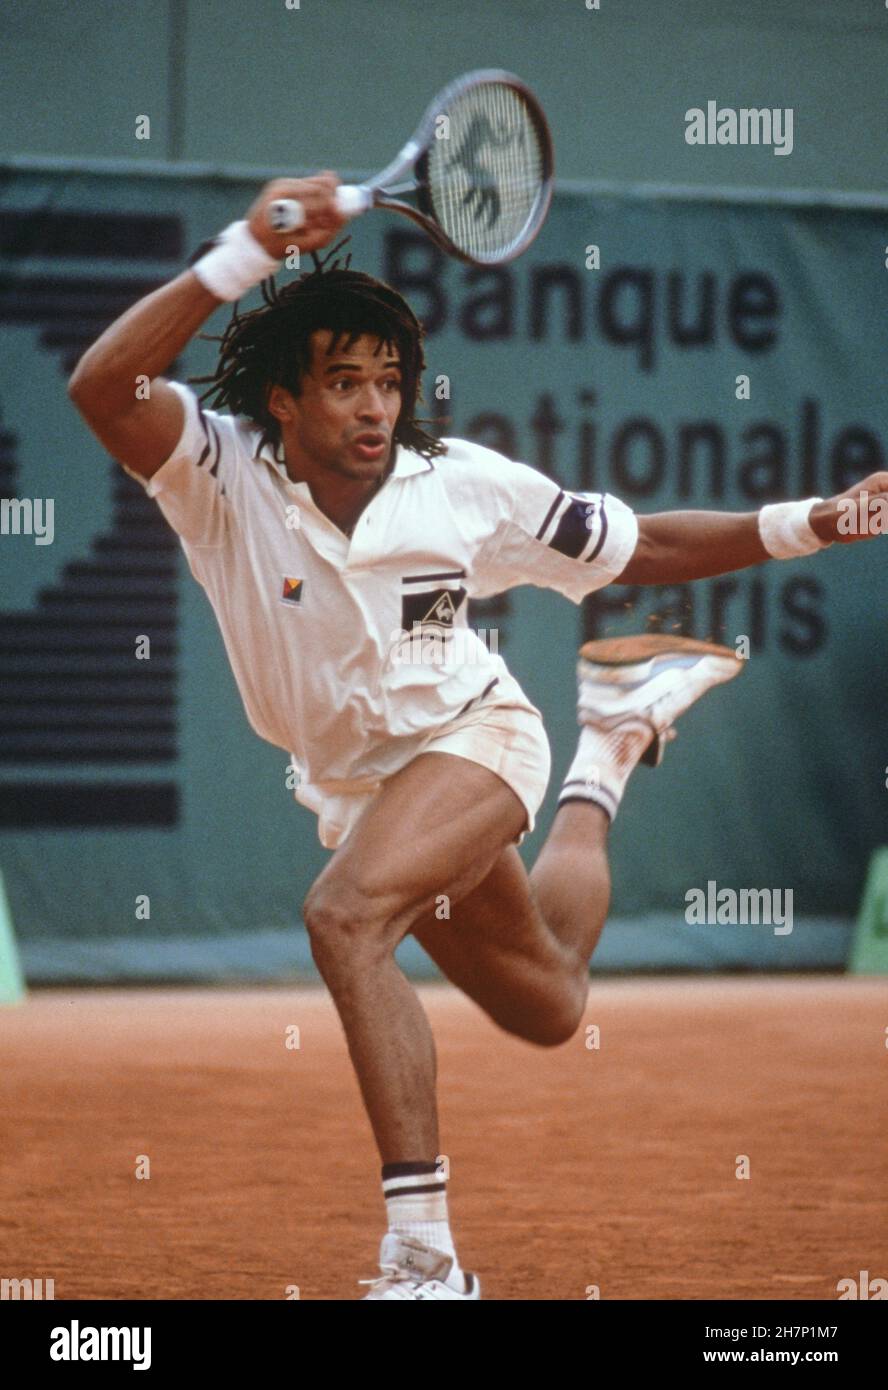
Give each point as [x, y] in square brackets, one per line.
[292, 592]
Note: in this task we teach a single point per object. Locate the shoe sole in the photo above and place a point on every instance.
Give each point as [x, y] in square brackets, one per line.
[629, 651]
[634, 651]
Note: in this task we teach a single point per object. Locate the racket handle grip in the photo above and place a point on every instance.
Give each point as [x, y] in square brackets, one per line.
[352, 199]
[288, 214]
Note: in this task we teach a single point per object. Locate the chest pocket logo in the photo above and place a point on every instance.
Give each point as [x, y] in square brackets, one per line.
[432, 610]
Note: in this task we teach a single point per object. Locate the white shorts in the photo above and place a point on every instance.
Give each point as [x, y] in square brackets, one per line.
[508, 739]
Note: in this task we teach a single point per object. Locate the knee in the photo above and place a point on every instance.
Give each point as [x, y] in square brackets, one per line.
[554, 1030]
[342, 927]
[556, 1024]
[544, 1030]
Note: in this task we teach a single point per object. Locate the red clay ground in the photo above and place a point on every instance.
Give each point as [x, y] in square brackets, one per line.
[570, 1167]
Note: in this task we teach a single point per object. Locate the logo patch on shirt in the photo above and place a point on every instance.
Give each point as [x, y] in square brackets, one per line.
[435, 608]
[292, 591]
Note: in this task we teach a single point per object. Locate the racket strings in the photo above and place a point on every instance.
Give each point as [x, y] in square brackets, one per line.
[486, 176]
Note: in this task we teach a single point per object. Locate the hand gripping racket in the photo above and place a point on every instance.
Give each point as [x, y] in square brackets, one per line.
[481, 166]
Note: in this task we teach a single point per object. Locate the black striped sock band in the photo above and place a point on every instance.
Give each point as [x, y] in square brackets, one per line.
[599, 796]
[407, 1179]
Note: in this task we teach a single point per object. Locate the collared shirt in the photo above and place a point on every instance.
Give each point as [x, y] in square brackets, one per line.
[349, 652]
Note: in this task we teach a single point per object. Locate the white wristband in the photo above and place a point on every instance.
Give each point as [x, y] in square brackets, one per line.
[235, 263]
[786, 531]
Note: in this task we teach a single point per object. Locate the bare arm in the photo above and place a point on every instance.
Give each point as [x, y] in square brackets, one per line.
[142, 342]
[674, 547]
[677, 546]
[150, 335]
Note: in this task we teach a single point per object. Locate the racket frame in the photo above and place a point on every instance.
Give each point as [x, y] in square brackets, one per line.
[413, 159]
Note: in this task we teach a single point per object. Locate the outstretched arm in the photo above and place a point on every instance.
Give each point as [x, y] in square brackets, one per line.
[674, 547]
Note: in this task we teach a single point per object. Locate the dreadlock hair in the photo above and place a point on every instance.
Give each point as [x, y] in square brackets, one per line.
[272, 345]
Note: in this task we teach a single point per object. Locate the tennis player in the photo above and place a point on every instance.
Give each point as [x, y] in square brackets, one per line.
[338, 543]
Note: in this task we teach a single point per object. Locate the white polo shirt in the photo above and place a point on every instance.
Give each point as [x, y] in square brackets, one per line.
[350, 652]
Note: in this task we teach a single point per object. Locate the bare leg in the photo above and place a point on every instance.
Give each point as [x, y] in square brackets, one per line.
[436, 828]
[442, 830]
[520, 949]
[571, 877]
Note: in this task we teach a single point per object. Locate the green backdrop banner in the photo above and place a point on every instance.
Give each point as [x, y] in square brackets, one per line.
[679, 354]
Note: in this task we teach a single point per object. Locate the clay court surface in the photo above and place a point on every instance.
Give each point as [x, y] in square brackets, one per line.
[570, 1166]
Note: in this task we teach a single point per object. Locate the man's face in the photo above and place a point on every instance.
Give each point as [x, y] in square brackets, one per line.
[344, 417]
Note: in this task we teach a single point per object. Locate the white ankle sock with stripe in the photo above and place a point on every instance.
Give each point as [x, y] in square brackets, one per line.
[416, 1205]
[604, 760]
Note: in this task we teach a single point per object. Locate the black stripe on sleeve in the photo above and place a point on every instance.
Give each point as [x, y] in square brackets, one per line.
[549, 514]
[210, 439]
[218, 444]
[602, 518]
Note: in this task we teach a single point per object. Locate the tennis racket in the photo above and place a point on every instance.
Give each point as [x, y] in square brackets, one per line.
[481, 167]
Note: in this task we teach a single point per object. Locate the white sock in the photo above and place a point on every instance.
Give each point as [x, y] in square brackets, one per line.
[416, 1205]
[603, 763]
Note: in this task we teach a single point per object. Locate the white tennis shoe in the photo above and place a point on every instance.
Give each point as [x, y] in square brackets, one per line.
[644, 683]
[413, 1270]
[631, 690]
